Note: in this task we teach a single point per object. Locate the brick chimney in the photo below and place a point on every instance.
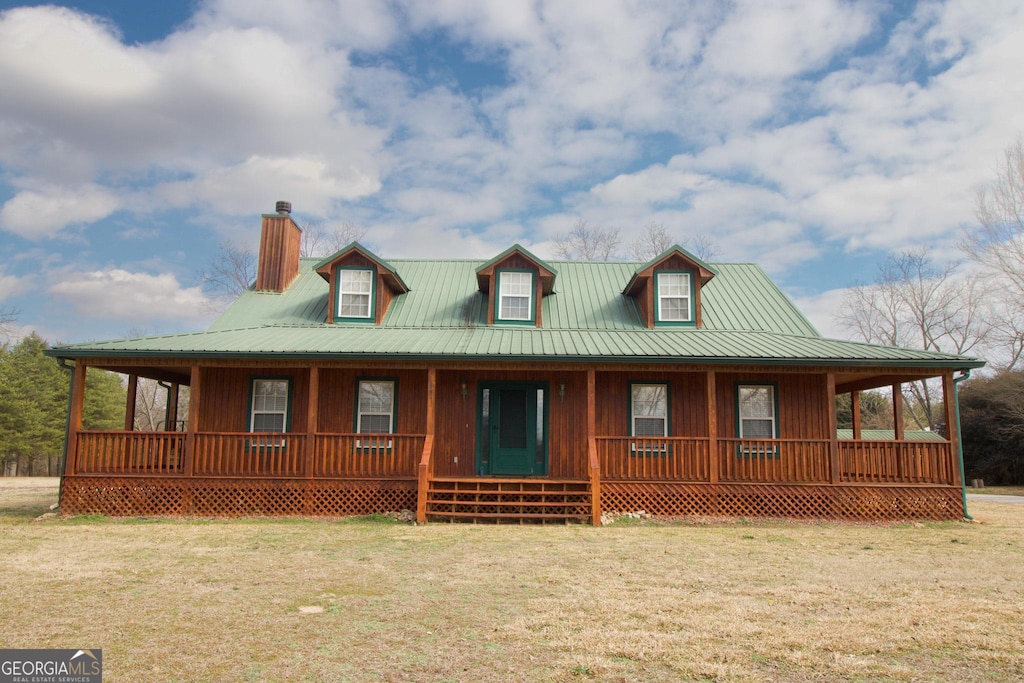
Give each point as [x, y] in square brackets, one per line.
[280, 239]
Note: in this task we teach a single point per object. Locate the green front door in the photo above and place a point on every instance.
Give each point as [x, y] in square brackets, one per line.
[513, 429]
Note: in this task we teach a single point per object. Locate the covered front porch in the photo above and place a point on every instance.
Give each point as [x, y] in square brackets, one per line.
[487, 442]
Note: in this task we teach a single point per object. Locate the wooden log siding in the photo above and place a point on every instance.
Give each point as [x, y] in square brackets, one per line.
[781, 461]
[897, 462]
[127, 452]
[455, 443]
[648, 459]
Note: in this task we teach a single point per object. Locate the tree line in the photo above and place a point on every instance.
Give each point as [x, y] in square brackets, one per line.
[971, 306]
[33, 407]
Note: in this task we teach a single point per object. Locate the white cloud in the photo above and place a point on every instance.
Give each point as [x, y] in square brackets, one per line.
[12, 285]
[791, 123]
[37, 214]
[822, 309]
[309, 182]
[781, 39]
[361, 24]
[209, 106]
[132, 297]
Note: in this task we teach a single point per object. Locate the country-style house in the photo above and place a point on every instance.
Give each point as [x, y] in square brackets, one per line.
[509, 389]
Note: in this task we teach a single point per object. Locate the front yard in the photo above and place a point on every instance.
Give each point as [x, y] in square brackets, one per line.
[374, 600]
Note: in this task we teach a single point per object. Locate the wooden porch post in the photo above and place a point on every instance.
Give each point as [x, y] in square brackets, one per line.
[193, 421]
[712, 401]
[949, 407]
[897, 412]
[312, 418]
[171, 415]
[833, 430]
[595, 463]
[426, 466]
[855, 413]
[130, 399]
[75, 417]
[898, 432]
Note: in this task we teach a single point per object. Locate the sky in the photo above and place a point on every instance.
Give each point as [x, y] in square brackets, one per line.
[812, 138]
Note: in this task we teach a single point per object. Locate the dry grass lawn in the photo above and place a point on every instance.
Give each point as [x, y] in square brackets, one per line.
[200, 600]
[999, 490]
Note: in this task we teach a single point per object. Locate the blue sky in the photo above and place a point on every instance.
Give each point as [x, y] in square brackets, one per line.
[810, 137]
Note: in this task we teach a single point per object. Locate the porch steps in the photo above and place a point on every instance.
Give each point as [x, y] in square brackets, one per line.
[509, 500]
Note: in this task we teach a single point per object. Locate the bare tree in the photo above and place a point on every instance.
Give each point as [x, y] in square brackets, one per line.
[703, 246]
[917, 304]
[655, 240]
[586, 243]
[996, 243]
[151, 406]
[229, 273]
[8, 316]
[319, 239]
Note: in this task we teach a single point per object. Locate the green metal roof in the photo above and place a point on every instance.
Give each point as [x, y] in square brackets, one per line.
[746, 319]
[443, 293]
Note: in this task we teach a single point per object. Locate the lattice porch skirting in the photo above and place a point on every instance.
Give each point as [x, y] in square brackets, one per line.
[780, 500]
[222, 497]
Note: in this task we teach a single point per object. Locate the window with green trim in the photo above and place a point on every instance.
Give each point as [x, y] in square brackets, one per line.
[648, 407]
[757, 418]
[675, 298]
[515, 296]
[355, 293]
[375, 412]
[269, 406]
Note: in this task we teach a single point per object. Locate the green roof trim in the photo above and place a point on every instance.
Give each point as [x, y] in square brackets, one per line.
[381, 263]
[675, 249]
[522, 250]
[504, 342]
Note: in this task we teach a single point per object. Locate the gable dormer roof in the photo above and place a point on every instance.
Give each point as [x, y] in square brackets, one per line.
[386, 270]
[546, 272]
[703, 271]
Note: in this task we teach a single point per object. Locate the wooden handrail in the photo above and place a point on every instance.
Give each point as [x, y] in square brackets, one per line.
[423, 479]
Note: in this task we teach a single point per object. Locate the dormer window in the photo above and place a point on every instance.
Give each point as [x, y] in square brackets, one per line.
[675, 298]
[667, 289]
[361, 286]
[515, 296]
[515, 282]
[355, 293]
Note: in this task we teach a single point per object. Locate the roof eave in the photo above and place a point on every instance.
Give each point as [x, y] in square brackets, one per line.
[952, 364]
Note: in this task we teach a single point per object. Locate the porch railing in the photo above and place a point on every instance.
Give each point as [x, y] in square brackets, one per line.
[367, 455]
[773, 460]
[121, 452]
[684, 459]
[245, 454]
[892, 462]
[653, 459]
